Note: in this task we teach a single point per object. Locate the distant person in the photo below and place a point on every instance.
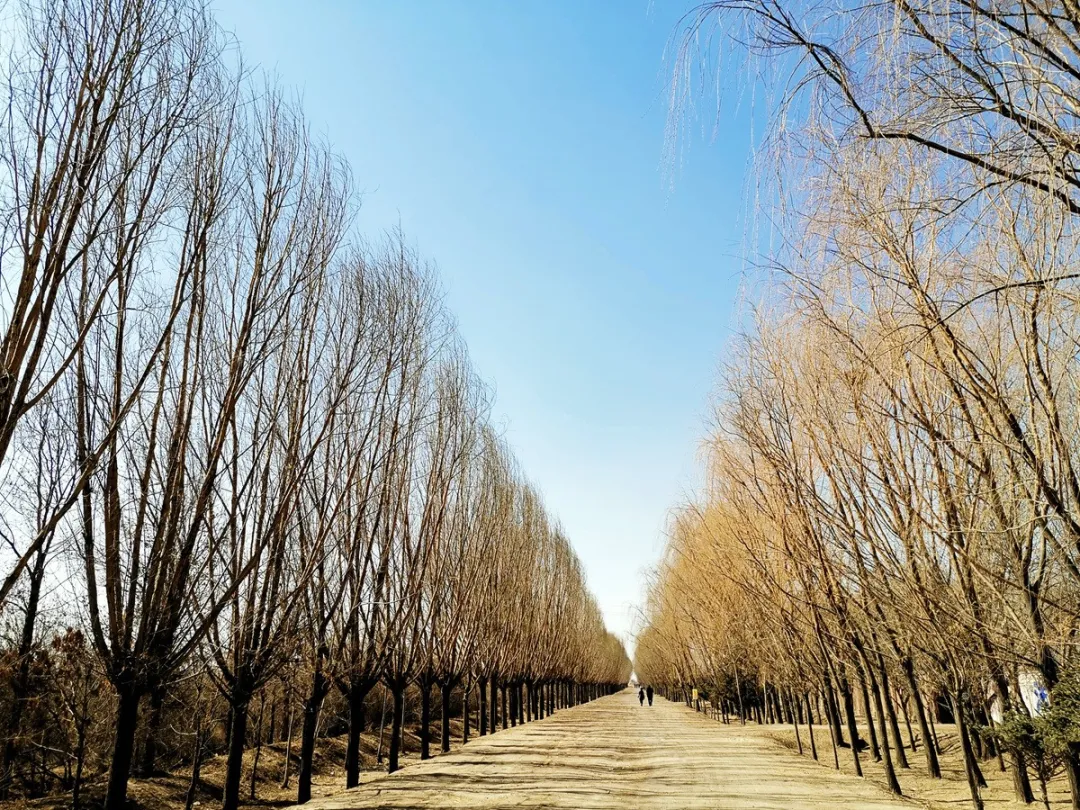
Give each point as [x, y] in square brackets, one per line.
[649, 693]
[641, 697]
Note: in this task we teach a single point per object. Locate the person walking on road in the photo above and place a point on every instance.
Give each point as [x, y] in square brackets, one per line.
[649, 693]
[641, 697]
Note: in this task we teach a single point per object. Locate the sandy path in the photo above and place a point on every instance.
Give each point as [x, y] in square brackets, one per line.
[613, 755]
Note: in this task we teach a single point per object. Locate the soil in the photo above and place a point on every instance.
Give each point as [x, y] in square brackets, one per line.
[613, 754]
[168, 791]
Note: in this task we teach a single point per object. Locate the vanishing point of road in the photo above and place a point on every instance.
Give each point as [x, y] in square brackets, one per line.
[612, 754]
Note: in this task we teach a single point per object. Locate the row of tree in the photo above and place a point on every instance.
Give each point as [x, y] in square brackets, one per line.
[892, 506]
[234, 438]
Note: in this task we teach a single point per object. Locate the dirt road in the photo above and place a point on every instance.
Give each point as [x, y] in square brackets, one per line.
[614, 755]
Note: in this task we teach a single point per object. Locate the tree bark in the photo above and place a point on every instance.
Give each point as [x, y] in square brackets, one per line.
[398, 692]
[425, 718]
[974, 775]
[890, 713]
[853, 729]
[235, 764]
[482, 683]
[875, 749]
[148, 766]
[933, 766]
[127, 720]
[465, 712]
[20, 679]
[446, 690]
[879, 710]
[319, 688]
[358, 692]
[810, 725]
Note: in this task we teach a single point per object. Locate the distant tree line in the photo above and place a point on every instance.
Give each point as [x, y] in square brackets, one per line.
[245, 464]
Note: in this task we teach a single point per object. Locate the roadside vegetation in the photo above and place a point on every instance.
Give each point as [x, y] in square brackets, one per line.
[252, 496]
[891, 518]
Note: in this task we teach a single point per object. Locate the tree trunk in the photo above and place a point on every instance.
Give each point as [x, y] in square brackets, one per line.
[890, 713]
[853, 730]
[465, 711]
[446, 690]
[358, 692]
[258, 746]
[875, 750]
[288, 749]
[738, 693]
[879, 710]
[1072, 768]
[127, 721]
[482, 683]
[425, 718]
[974, 775]
[832, 709]
[810, 726]
[196, 766]
[80, 760]
[235, 765]
[148, 766]
[20, 679]
[395, 727]
[319, 687]
[1017, 762]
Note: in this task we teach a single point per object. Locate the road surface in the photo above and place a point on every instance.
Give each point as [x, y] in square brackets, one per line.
[612, 754]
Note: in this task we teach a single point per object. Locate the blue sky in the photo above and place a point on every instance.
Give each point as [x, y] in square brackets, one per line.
[521, 146]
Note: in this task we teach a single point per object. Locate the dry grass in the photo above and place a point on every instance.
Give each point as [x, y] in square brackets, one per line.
[169, 791]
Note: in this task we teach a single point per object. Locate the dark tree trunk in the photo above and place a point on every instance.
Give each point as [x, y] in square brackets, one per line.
[890, 713]
[1072, 768]
[319, 688]
[398, 691]
[502, 708]
[127, 721]
[853, 729]
[196, 766]
[425, 718]
[465, 712]
[933, 766]
[482, 683]
[875, 749]
[494, 708]
[446, 688]
[971, 768]
[833, 711]
[810, 725]
[148, 766]
[1017, 762]
[358, 692]
[80, 761]
[258, 747]
[235, 766]
[879, 710]
[20, 679]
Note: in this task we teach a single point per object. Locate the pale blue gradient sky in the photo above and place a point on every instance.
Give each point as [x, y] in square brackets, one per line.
[521, 146]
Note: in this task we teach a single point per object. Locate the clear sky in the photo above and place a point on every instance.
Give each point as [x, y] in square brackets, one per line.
[521, 146]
